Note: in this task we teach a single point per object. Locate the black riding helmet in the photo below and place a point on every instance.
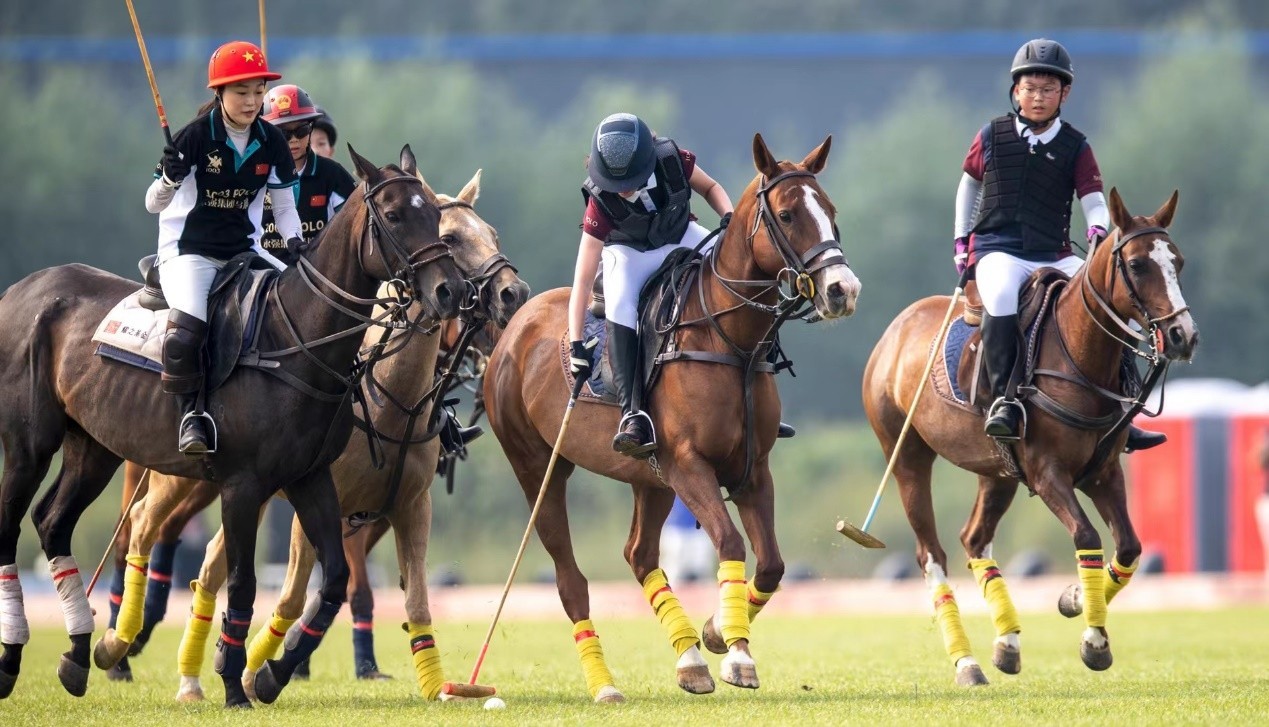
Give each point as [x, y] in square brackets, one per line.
[1040, 56]
[325, 123]
[622, 156]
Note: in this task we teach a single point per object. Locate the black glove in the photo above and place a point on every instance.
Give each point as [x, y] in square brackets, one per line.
[296, 246]
[581, 362]
[175, 167]
[724, 221]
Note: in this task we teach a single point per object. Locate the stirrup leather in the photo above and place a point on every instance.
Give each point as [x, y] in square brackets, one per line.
[213, 433]
[1022, 417]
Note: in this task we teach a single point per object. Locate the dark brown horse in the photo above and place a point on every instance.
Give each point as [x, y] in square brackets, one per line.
[1132, 276]
[55, 393]
[782, 228]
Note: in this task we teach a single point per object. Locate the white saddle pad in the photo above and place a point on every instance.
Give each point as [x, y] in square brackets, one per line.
[133, 329]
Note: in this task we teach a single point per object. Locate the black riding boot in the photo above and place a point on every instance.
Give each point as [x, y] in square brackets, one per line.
[1130, 382]
[634, 435]
[183, 376]
[1000, 346]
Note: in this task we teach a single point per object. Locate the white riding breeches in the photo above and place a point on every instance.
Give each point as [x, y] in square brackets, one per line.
[187, 280]
[627, 269]
[1001, 276]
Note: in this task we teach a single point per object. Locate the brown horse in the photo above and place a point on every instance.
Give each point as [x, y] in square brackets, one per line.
[360, 486]
[782, 228]
[1132, 276]
[55, 393]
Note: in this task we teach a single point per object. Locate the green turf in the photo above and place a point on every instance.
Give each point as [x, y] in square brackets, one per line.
[1170, 668]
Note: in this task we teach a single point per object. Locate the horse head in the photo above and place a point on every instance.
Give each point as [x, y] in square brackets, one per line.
[401, 241]
[1138, 271]
[789, 222]
[499, 290]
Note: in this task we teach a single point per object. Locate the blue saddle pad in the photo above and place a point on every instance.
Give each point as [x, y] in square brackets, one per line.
[953, 349]
[597, 329]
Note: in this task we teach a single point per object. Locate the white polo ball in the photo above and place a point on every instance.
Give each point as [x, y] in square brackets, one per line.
[495, 703]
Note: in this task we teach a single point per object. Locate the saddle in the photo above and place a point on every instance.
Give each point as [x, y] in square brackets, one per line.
[962, 375]
[133, 331]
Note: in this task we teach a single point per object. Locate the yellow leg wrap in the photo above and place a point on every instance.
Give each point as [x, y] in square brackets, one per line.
[733, 612]
[949, 616]
[1117, 576]
[757, 599]
[1003, 614]
[128, 624]
[427, 659]
[666, 606]
[265, 644]
[1093, 580]
[591, 653]
[189, 659]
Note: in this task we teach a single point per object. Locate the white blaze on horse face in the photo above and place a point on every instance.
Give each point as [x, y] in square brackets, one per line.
[822, 221]
[416, 201]
[838, 273]
[1162, 255]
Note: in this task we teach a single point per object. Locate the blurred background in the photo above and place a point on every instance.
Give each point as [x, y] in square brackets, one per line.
[1172, 95]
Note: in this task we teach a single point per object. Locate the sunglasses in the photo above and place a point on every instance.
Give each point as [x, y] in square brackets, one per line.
[298, 131]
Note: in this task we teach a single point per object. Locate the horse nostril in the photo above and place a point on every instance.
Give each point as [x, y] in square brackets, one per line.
[508, 296]
[1177, 335]
[836, 292]
[444, 295]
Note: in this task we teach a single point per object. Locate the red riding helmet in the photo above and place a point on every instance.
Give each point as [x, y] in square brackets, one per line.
[236, 61]
[287, 103]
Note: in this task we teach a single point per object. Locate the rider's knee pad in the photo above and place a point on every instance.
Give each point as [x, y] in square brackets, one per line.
[182, 353]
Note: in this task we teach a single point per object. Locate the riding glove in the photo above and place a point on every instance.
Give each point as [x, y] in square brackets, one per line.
[724, 221]
[961, 256]
[175, 166]
[581, 361]
[296, 245]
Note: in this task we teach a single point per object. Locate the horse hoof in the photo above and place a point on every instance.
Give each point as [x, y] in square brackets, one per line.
[1071, 602]
[970, 675]
[249, 685]
[74, 677]
[1095, 649]
[235, 697]
[267, 688]
[1006, 658]
[109, 650]
[712, 639]
[696, 679]
[121, 672]
[7, 681]
[739, 670]
[190, 691]
[373, 675]
[608, 694]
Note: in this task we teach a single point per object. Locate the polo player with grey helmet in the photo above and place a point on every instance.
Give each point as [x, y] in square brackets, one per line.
[637, 193]
[1013, 213]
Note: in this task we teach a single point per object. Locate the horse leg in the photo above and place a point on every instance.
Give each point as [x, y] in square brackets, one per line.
[132, 472]
[24, 468]
[147, 514]
[361, 602]
[696, 483]
[212, 575]
[1059, 495]
[1111, 501]
[268, 640]
[86, 470]
[412, 524]
[643, 553]
[317, 507]
[912, 475]
[162, 555]
[240, 504]
[994, 497]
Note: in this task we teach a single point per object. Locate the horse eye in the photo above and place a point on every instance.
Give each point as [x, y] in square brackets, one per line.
[449, 240]
[1137, 266]
[785, 217]
[392, 217]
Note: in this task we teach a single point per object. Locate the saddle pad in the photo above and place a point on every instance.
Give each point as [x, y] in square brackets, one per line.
[132, 334]
[953, 349]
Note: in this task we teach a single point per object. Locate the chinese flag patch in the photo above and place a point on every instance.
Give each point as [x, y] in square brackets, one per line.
[317, 200]
[262, 169]
[112, 327]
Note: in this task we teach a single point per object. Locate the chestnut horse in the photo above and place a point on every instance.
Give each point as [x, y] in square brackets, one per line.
[55, 393]
[782, 228]
[1131, 276]
[396, 382]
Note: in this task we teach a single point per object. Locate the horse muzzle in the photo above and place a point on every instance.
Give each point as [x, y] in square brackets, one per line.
[1180, 338]
[838, 292]
[507, 299]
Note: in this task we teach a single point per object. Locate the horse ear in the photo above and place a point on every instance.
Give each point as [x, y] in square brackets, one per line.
[471, 192]
[815, 161]
[763, 161]
[409, 164]
[1119, 216]
[427, 188]
[1163, 218]
[365, 168]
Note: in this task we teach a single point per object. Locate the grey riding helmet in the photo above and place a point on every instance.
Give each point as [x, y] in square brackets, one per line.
[1043, 56]
[622, 154]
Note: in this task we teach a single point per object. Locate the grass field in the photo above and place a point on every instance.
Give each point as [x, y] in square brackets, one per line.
[1170, 668]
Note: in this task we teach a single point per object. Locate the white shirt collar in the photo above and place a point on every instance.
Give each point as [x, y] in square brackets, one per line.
[1025, 132]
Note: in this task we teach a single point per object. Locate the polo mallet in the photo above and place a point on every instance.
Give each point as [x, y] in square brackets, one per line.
[142, 485]
[861, 535]
[149, 72]
[264, 38]
[472, 690]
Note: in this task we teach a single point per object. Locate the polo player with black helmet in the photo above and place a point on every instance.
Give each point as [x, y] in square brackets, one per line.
[1013, 213]
[637, 192]
[208, 191]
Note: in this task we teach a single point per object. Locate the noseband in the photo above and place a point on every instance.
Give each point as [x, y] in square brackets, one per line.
[797, 268]
[478, 292]
[1155, 335]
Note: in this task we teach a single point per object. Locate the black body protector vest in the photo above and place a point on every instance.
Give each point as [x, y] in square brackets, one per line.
[633, 225]
[1030, 185]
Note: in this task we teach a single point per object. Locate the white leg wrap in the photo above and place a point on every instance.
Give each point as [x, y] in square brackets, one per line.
[13, 625]
[690, 658]
[70, 589]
